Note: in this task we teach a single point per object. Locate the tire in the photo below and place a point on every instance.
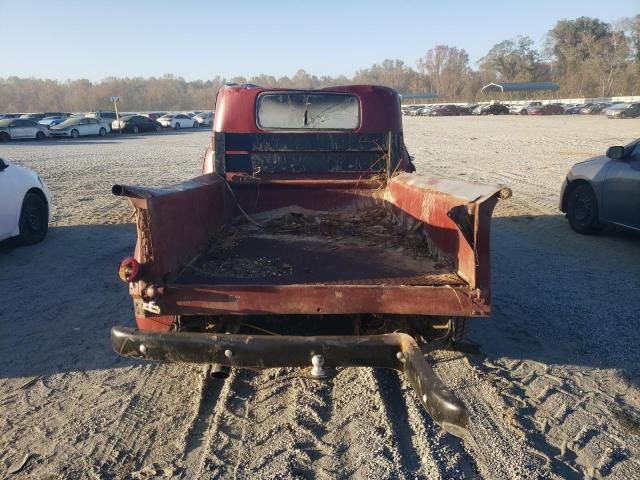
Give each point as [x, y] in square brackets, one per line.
[582, 210]
[523, 112]
[102, 132]
[135, 129]
[209, 124]
[4, 137]
[75, 133]
[40, 136]
[34, 219]
[158, 128]
[177, 127]
[457, 330]
[623, 115]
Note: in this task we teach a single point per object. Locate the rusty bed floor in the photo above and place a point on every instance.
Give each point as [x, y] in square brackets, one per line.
[364, 249]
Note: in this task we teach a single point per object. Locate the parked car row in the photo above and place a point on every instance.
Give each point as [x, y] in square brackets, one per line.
[443, 110]
[491, 109]
[625, 110]
[38, 126]
[611, 110]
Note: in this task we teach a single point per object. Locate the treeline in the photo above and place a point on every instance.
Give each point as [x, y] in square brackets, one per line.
[586, 56]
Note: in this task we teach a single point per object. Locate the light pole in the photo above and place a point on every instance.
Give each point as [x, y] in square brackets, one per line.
[115, 101]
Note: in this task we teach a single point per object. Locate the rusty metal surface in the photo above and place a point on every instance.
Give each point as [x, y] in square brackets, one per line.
[313, 195]
[311, 152]
[456, 220]
[396, 351]
[379, 108]
[178, 222]
[320, 299]
[175, 222]
[465, 191]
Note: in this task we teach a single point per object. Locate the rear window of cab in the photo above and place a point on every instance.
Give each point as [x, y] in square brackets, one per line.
[308, 111]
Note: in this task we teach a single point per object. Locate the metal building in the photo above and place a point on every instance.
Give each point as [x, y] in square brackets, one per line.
[512, 88]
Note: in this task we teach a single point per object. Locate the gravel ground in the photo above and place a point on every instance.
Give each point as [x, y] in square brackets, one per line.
[553, 392]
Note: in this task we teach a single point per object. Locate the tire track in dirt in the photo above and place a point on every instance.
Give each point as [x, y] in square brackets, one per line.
[569, 397]
[435, 453]
[569, 424]
[196, 439]
[269, 425]
[364, 423]
[129, 443]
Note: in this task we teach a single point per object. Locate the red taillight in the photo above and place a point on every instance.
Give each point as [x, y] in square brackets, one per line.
[129, 269]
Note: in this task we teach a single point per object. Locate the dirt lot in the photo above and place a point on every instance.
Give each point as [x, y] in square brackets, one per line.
[553, 392]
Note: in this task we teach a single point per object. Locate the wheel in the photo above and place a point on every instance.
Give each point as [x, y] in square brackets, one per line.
[75, 133]
[103, 132]
[158, 128]
[209, 123]
[623, 115]
[457, 329]
[34, 219]
[582, 210]
[135, 129]
[177, 127]
[4, 137]
[523, 112]
[40, 136]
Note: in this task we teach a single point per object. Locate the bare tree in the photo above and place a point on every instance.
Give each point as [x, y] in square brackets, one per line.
[608, 56]
[513, 60]
[448, 68]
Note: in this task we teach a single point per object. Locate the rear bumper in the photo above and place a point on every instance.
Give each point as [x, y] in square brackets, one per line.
[397, 351]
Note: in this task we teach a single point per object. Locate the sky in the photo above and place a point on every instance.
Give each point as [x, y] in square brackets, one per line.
[70, 39]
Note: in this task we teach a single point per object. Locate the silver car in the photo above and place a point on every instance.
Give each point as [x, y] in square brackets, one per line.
[604, 190]
[18, 128]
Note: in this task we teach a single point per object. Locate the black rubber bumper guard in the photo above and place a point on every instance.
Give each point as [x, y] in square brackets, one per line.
[398, 351]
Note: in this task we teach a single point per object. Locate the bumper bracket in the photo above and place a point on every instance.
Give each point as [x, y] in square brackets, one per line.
[398, 351]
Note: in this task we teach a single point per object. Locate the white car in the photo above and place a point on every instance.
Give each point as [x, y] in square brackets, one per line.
[79, 126]
[25, 204]
[104, 116]
[204, 119]
[523, 109]
[177, 121]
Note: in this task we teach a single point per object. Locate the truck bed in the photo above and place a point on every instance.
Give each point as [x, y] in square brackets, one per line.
[364, 247]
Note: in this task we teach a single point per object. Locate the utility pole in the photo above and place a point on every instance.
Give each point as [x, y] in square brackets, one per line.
[115, 101]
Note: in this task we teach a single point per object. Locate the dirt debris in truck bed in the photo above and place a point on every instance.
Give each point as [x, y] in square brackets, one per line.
[376, 223]
[373, 226]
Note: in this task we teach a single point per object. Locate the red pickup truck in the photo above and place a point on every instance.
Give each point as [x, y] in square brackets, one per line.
[309, 241]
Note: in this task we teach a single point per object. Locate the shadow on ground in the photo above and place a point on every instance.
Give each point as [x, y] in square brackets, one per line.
[563, 298]
[558, 297]
[60, 299]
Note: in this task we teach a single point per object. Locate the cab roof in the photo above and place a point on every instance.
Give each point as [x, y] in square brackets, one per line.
[236, 107]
